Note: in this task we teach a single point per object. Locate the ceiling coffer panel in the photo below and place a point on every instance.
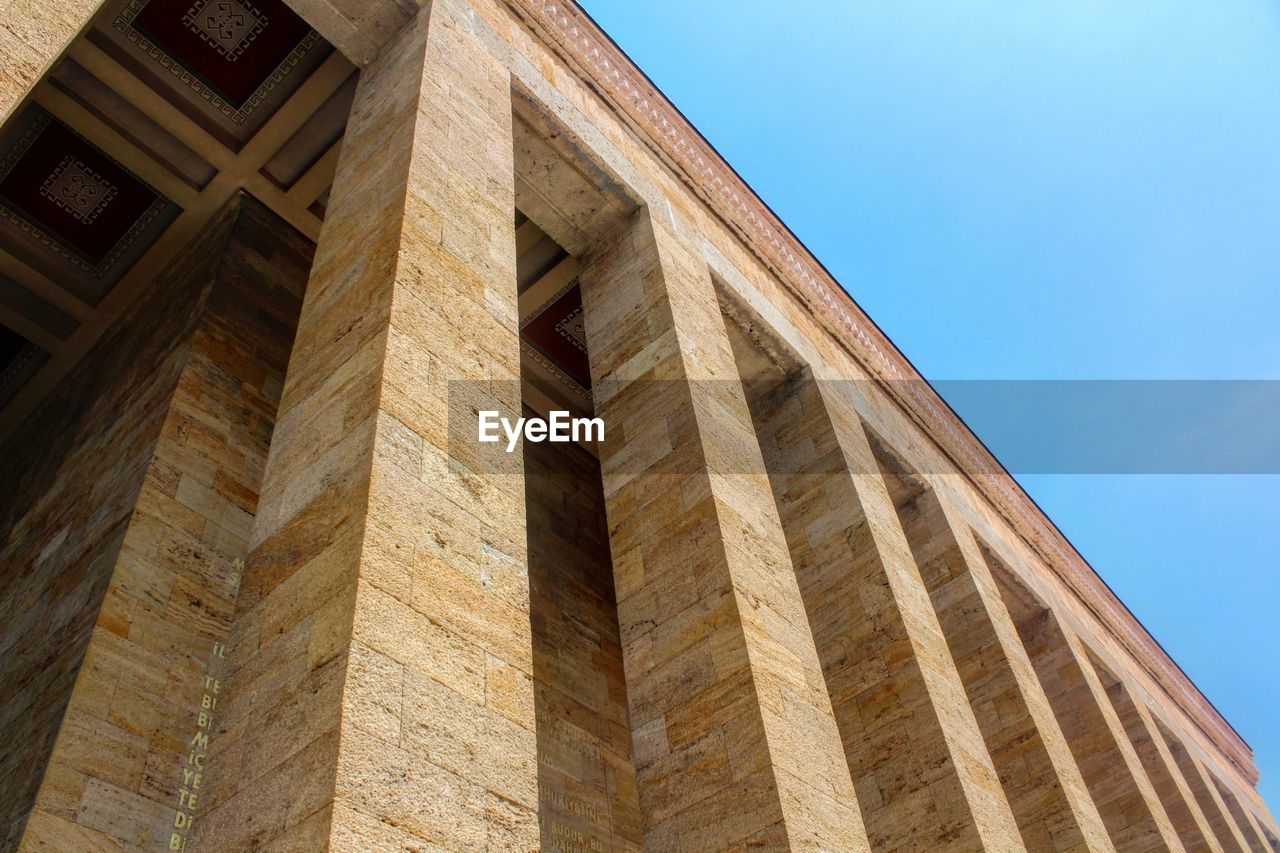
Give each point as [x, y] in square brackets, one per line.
[229, 64]
[75, 213]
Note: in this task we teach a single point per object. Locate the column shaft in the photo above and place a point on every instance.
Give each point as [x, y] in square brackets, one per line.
[136, 728]
[381, 691]
[734, 737]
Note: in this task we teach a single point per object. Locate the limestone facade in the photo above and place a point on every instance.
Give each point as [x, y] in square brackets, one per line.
[264, 590]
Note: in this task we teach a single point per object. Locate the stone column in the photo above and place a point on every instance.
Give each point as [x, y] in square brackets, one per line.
[134, 735]
[1040, 777]
[887, 668]
[380, 693]
[1188, 820]
[734, 739]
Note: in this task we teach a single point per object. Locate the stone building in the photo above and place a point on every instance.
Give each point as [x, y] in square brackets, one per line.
[263, 262]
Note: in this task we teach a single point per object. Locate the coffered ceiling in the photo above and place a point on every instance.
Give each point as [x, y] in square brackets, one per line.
[157, 114]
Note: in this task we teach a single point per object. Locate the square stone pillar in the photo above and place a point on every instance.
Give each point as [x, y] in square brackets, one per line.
[734, 739]
[380, 692]
[185, 391]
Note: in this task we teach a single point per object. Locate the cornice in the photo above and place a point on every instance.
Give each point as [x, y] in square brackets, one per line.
[600, 63]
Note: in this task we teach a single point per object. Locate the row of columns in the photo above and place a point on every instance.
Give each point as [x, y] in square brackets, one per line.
[823, 656]
[922, 774]
[1041, 781]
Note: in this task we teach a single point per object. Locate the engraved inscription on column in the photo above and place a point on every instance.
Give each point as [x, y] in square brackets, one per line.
[193, 768]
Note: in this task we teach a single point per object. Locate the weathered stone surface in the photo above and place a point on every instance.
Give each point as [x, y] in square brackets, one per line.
[193, 393]
[723, 680]
[433, 647]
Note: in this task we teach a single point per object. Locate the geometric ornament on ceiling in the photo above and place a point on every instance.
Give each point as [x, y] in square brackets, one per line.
[234, 61]
[72, 204]
[554, 336]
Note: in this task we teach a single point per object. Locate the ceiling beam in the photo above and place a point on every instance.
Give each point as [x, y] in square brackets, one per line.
[31, 330]
[43, 286]
[164, 113]
[313, 182]
[537, 294]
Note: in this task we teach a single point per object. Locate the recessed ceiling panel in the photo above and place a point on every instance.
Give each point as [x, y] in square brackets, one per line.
[553, 335]
[70, 209]
[228, 63]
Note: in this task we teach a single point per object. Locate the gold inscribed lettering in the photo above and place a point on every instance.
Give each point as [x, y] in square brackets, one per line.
[184, 816]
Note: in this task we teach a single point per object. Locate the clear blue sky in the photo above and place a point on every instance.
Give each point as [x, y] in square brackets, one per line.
[1039, 190]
